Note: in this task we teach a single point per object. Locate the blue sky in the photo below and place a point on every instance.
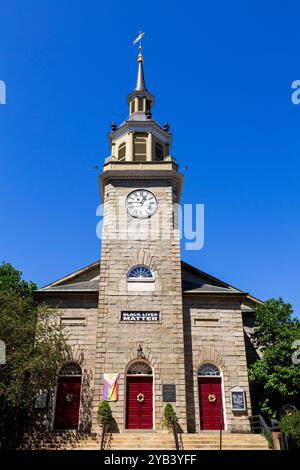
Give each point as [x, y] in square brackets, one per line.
[221, 73]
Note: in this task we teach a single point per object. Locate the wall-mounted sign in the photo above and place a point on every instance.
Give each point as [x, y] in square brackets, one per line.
[139, 316]
[169, 392]
[41, 400]
[2, 352]
[238, 401]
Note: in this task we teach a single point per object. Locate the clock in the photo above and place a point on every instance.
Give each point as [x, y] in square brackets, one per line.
[141, 203]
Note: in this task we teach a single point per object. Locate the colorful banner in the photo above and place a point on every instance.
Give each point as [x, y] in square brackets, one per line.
[110, 387]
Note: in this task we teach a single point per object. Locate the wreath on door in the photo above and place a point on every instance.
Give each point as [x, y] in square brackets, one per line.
[212, 398]
[140, 398]
[69, 397]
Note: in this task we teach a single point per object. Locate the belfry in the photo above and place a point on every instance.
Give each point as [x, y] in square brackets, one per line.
[146, 328]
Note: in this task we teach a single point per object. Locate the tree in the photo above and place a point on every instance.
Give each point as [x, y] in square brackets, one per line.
[35, 347]
[275, 378]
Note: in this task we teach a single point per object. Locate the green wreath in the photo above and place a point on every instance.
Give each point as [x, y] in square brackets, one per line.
[140, 398]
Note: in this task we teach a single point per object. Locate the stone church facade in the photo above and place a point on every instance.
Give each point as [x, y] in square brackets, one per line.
[161, 329]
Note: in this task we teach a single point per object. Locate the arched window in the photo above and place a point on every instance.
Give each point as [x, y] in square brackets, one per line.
[122, 151]
[140, 147]
[140, 273]
[159, 152]
[208, 369]
[139, 368]
[70, 369]
[132, 106]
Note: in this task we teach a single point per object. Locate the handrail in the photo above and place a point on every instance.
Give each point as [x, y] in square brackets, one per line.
[258, 424]
[104, 429]
[175, 433]
[221, 423]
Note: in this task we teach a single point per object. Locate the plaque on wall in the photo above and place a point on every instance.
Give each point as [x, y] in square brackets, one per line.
[238, 401]
[41, 400]
[139, 316]
[2, 352]
[169, 392]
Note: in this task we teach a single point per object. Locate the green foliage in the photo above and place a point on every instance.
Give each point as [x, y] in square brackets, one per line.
[11, 283]
[290, 425]
[104, 413]
[35, 345]
[275, 378]
[169, 415]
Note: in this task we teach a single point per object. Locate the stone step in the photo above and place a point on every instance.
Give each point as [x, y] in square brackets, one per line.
[146, 441]
[160, 441]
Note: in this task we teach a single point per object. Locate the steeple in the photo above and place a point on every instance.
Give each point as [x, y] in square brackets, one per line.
[140, 100]
[140, 138]
[140, 81]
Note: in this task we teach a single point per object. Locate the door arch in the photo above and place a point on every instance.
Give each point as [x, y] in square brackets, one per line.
[68, 393]
[139, 395]
[210, 393]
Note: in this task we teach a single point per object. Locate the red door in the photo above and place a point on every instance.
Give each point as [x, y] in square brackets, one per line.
[67, 403]
[211, 411]
[139, 413]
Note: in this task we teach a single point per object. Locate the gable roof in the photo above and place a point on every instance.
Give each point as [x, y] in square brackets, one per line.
[194, 282]
[82, 280]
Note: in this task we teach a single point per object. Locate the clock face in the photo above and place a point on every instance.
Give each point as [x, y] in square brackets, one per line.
[141, 203]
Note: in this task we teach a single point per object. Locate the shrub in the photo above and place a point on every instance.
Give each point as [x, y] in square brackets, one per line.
[169, 415]
[290, 425]
[104, 413]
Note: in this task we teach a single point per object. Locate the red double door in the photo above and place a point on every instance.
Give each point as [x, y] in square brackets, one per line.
[67, 403]
[211, 408]
[139, 403]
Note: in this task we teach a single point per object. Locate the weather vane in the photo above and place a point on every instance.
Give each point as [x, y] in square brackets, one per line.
[139, 38]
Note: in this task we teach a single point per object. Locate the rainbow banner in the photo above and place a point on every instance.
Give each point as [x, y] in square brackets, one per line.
[110, 387]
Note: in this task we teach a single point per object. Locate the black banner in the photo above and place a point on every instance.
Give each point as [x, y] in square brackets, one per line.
[139, 316]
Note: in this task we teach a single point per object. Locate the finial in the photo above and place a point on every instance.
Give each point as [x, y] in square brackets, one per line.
[113, 126]
[166, 127]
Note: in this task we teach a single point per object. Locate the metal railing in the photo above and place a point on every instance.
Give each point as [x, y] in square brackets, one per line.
[103, 436]
[259, 425]
[175, 433]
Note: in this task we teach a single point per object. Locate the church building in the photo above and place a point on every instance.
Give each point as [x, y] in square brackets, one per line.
[146, 328]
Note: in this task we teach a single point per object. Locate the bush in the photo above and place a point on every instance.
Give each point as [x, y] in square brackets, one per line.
[290, 425]
[104, 413]
[169, 415]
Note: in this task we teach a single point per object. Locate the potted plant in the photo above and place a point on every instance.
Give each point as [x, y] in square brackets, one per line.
[104, 417]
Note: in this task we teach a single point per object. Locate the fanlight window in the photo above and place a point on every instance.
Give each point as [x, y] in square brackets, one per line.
[139, 368]
[122, 151]
[208, 369]
[70, 369]
[140, 273]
